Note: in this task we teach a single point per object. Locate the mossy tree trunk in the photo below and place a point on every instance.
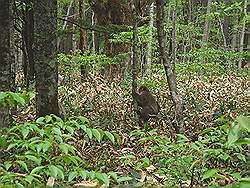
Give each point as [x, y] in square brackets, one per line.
[46, 66]
[7, 60]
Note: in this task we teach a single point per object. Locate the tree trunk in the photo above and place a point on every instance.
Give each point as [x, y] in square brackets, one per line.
[134, 57]
[65, 42]
[149, 45]
[83, 45]
[27, 42]
[7, 76]
[226, 24]
[243, 32]
[46, 65]
[207, 23]
[169, 65]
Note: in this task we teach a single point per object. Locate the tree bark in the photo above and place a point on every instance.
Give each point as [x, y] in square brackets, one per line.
[226, 25]
[134, 57]
[207, 23]
[243, 33]
[169, 65]
[149, 45]
[7, 76]
[27, 42]
[46, 65]
[83, 45]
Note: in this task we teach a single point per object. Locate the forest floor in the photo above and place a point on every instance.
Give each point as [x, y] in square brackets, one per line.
[107, 103]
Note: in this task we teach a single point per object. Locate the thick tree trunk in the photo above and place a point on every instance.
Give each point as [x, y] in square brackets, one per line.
[7, 76]
[169, 65]
[27, 42]
[45, 48]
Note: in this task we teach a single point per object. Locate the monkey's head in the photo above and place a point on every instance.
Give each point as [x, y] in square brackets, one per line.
[143, 88]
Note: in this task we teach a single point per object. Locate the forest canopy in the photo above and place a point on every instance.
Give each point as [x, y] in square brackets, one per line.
[124, 93]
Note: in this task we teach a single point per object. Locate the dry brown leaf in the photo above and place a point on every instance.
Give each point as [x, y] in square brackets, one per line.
[50, 182]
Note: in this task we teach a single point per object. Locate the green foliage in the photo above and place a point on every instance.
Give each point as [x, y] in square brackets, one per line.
[12, 99]
[35, 151]
[210, 159]
[239, 131]
[92, 60]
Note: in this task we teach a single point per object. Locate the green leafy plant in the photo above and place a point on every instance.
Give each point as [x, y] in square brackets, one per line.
[35, 151]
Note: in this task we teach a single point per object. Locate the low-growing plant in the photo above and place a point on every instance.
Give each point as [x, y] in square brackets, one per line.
[33, 152]
[216, 158]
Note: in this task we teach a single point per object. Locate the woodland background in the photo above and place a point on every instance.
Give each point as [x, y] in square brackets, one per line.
[68, 71]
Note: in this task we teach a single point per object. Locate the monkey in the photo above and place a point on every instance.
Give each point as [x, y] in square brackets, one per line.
[146, 101]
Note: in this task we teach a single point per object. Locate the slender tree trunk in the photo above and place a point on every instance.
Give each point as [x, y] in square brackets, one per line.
[83, 37]
[7, 76]
[93, 32]
[243, 33]
[65, 23]
[149, 45]
[222, 33]
[226, 25]
[207, 23]
[46, 65]
[134, 56]
[169, 66]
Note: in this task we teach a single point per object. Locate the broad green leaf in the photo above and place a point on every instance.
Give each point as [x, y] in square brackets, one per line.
[46, 146]
[37, 170]
[209, 174]
[7, 165]
[110, 136]
[70, 130]
[233, 134]
[64, 148]
[48, 119]
[23, 165]
[96, 134]
[125, 178]
[3, 95]
[72, 176]
[53, 171]
[103, 178]
[243, 141]
[39, 147]
[83, 174]
[117, 137]
[29, 179]
[244, 122]
[3, 141]
[146, 161]
[18, 98]
[60, 172]
[57, 131]
[113, 175]
[11, 101]
[101, 132]
[25, 131]
[91, 175]
[83, 127]
[89, 133]
[40, 120]
[83, 119]
[35, 159]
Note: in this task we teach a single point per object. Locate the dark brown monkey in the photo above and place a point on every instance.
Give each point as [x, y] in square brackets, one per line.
[149, 106]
